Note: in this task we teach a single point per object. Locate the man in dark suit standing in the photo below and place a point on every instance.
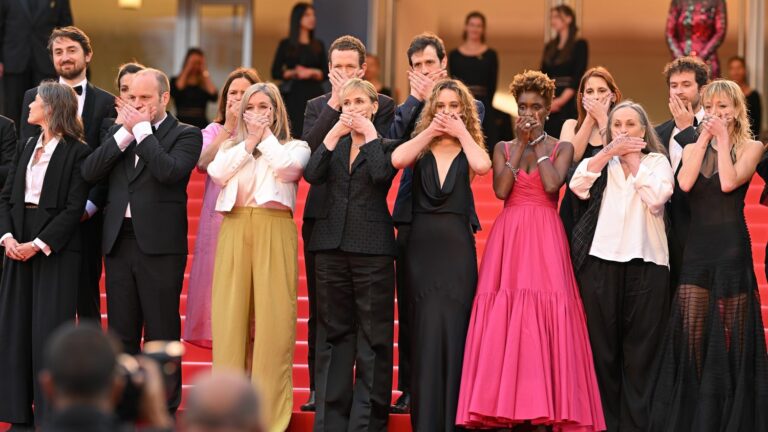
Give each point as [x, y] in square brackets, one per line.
[71, 51]
[686, 76]
[148, 161]
[347, 60]
[25, 26]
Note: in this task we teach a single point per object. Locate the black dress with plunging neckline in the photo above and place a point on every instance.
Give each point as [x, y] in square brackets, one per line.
[441, 264]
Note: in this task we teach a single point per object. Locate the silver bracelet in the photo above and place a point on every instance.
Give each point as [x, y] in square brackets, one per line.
[514, 170]
[542, 159]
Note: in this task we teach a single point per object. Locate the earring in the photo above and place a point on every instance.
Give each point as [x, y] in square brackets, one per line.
[547, 118]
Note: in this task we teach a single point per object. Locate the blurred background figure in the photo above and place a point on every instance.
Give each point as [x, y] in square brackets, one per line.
[477, 66]
[25, 26]
[223, 402]
[301, 63]
[565, 60]
[193, 89]
[373, 74]
[737, 72]
[697, 28]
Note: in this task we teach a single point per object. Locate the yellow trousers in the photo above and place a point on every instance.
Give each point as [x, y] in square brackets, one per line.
[256, 270]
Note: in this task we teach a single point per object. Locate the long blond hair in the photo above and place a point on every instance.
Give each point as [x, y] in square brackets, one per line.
[468, 110]
[280, 127]
[742, 132]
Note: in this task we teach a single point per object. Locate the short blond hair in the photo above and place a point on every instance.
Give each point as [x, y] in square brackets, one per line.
[362, 85]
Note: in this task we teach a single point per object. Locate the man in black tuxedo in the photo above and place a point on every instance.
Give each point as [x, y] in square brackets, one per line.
[71, 51]
[347, 60]
[25, 26]
[686, 76]
[148, 161]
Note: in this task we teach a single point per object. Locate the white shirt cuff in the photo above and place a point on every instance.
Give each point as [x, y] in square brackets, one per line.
[142, 130]
[123, 138]
[90, 208]
[5, 236]
[43, 247]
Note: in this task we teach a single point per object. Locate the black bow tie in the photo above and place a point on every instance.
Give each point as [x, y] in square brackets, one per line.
[78, 90]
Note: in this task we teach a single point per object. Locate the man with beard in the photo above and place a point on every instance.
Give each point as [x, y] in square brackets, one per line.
[71, 52]
[686, 76]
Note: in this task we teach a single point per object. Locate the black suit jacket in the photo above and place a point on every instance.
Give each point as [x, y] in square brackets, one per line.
[156, 186]
[319, 119]
[98, 105]
[684, 137]
[62, 198]
[8, 145]
[354, 216]
[25, 26]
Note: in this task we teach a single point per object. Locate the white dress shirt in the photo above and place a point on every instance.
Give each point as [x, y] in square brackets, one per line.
[675, 149]
[123, 138]
[34, 179]
[631, 220]
[81, 96]
[270, 181]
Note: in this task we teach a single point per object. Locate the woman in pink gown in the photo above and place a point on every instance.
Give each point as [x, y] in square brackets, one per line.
[527, 357]
[197, 328]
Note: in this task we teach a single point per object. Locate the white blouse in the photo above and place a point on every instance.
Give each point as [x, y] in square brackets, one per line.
[270, 181]
[631, 220]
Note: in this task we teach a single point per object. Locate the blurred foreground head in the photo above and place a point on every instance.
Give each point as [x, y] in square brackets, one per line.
[223, 402]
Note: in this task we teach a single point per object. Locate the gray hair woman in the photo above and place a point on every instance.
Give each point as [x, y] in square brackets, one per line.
[40, 210]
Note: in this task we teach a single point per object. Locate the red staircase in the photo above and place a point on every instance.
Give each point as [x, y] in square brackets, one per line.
[198, 360]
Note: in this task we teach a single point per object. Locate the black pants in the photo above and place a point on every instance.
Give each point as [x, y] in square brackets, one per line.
[309, 267]
[404, 303]
[355, 309]
[36, 297]
[627, 306]
[143, 292]
[88, 302]
[14, 87]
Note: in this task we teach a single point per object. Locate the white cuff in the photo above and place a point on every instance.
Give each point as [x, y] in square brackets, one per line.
[142, 130]
[90, 208]
[43, 247]
[123, 138]
[5, 236]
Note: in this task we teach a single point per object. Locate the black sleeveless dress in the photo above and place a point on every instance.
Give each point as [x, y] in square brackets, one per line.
[713, 367]
[441, 264]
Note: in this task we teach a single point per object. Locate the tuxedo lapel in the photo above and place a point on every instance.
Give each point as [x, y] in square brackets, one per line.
[88, 107]
[169, 123]
[50, 192]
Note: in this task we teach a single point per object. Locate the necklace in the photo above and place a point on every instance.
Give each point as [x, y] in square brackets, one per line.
[538, 140]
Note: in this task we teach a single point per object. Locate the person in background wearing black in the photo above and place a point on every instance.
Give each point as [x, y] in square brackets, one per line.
[147, 162]
[40, 210]
[193, 89]
[737, 71]
[347, 61]
[81, 378]
[354, 242]
[477, 66]
[300, 64]
[373, 74]
[71, 51]
[25, 26]
[565, 60]
[8, 145]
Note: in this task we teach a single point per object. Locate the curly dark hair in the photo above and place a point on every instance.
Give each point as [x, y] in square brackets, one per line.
[688, 64]
[533, 81]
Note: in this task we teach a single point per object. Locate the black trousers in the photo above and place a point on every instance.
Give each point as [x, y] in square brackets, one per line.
[36, 297]
[355, 310]
[14, 87]
[627, 306]
[404, 306]
[88, 301]
[143, 292]
[309, 267]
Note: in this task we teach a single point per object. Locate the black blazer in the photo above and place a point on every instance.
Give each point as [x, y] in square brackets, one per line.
[319, 119]
[25, 26]
[354, 216]
[684, 137]
[156, 186]
[62, 198]
[8, 144]
[98, 105]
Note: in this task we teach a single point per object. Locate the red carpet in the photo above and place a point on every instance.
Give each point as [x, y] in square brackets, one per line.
[198, 360]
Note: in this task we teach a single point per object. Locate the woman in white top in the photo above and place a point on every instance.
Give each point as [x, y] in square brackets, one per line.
[255, 272]
[620, 255]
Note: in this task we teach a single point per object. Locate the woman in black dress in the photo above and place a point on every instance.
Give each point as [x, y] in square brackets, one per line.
[301, 64]
[193, 89]
[40, 209]
[737, 72]
[448, 151]
[713, 369]
[565, 60]
[477, 66]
